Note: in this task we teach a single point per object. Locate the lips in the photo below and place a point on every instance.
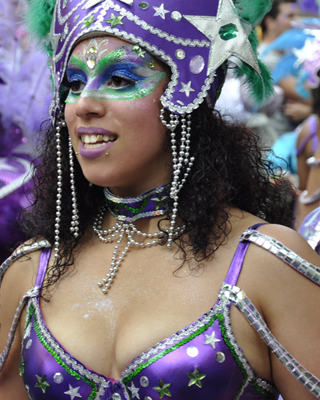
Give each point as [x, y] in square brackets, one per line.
[95, 141]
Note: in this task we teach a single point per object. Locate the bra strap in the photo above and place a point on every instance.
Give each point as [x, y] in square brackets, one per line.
[43, 265]
[34, 292]
[237, 261]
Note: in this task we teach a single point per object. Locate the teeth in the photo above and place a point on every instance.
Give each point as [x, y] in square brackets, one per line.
[95, 138]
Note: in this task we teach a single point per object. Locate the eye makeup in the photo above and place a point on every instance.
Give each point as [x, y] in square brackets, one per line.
[121, 75]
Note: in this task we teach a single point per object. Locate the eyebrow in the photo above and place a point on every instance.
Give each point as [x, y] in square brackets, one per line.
[109, 59]
[76, 62]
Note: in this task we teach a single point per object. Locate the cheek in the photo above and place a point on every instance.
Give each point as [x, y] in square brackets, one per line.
[69, 115]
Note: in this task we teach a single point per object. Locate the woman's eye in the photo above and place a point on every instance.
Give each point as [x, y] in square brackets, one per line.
[118, 82]
[76, 86]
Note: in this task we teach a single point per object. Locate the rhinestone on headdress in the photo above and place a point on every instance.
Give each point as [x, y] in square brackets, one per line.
[197, 64]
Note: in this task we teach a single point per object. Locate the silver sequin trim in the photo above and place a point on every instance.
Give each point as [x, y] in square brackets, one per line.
[244, 304]
[73, 364]
[266, 386]
[126, 200]
[284, 253]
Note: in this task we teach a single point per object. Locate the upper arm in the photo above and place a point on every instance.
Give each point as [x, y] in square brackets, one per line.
[290, 304]
[303, 169]
[17, 280]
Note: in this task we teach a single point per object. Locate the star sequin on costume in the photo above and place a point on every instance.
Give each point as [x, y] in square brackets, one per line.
[211, 339]
[88, 22]
[134, 391]
[163, 389]
[42, 383]
[195, 378]
[73, 392]
[113, 20]
[160, 11]
[160, 201]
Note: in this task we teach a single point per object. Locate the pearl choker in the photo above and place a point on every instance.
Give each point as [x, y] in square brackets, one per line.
[127, 210]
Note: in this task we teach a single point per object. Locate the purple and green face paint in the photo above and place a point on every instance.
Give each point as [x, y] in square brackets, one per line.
[124, 74]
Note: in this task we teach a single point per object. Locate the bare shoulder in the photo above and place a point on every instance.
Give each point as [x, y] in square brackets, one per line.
[21, 273]
[286, 299]
[291, 239]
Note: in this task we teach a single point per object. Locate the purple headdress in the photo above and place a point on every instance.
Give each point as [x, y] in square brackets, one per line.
[195, 39]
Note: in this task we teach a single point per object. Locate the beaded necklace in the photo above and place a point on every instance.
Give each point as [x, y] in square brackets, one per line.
[127, 210]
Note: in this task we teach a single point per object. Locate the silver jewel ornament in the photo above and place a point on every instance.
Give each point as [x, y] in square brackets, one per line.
[60, 123]
[180, 158]
[144, 5]
[117, 233]
[58, 378]
[176, 16]
[220, 357]
[75, 217]
[220, 49]
[180, 54]
[144, 381]
[197, 64]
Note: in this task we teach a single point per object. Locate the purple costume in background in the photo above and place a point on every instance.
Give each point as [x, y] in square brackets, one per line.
[201, 361]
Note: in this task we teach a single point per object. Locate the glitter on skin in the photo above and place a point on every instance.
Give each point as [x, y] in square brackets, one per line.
[138, 80]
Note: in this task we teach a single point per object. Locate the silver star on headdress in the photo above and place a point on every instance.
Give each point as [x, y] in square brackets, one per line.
[221, 49]
[186, 88]
[160, 11]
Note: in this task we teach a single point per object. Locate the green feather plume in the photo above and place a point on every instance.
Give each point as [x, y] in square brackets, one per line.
[253, 10]
[38, 18]
[259, 86]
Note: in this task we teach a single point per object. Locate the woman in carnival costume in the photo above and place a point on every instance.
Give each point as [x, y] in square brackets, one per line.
[146, 203]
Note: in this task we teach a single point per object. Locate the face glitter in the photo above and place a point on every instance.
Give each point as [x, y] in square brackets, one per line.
[123, 74]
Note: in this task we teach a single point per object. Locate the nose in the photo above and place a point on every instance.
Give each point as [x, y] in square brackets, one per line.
[87, 108]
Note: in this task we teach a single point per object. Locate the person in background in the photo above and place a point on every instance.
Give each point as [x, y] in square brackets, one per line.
[25, 95]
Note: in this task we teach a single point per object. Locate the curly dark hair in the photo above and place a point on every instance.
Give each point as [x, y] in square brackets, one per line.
[229, 170]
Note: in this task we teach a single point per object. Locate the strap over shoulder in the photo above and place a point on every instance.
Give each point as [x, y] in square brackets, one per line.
[284, 253]
[244, 304]
[21, 251]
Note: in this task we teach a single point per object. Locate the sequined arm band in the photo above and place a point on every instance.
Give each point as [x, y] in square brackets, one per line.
[284, 253]
[21, 251]
[243, 303]
[305, 199]
[4, 355]
[312, 162]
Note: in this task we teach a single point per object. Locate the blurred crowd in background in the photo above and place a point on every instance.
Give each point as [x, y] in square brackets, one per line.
[289, 44]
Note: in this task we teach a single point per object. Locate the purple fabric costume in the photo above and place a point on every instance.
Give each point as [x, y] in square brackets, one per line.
[201, 361]
[312, 122]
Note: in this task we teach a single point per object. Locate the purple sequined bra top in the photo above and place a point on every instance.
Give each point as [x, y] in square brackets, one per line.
[201, 361]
